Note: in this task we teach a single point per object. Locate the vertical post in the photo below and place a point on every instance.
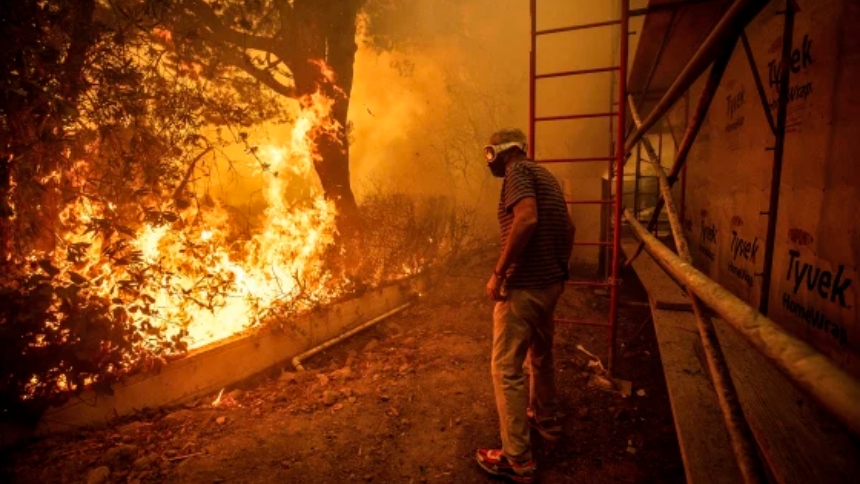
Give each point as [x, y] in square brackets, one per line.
[778, 151]
[532, 79]
[619, 177]
[659, 167]
[606, 254]
[636, 184]
[758, 84]
[684, 169]
[612, 192]
[567, 188]
[683, 192]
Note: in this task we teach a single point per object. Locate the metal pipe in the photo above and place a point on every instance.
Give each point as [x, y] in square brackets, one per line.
[619, 178]
[739, 432]
[587, 283]
[659, 167]
[297, 361]
[668, 122]
[740, 435]
[778, 150]
[683, 192]
[576, 27]
[578, 322]
[684, 170]
[758, 84]
[736, 18]
[576, 160]
[715, 76]
[636, 179]
[575, 116]
[666, 6]
[577, 72]
[810, 371]
[532, 80]
[589, 202]
[665, 187]
[604, 256]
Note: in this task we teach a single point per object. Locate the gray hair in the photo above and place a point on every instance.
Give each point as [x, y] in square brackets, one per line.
[508, 135]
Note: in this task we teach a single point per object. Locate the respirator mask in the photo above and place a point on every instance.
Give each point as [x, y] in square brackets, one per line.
[494, 162]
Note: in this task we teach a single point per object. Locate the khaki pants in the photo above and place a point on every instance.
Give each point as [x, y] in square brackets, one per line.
[523, 327]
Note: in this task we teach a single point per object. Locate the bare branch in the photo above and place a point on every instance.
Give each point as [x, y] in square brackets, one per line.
[207, 15]
[265, 77]
[188, 173]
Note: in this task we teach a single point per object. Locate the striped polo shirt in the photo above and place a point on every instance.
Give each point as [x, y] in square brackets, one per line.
[544, 259]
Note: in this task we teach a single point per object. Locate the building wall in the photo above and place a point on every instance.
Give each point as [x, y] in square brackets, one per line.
[571, 95]
[814, 281]
[593, 93]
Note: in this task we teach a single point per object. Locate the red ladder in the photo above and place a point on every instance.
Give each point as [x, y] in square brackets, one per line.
[618, 111]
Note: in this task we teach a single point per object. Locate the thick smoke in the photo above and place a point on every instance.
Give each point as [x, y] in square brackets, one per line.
[424, 104]
[422, 111]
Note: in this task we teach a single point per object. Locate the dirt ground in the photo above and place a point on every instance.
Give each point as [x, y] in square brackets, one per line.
[408, 401]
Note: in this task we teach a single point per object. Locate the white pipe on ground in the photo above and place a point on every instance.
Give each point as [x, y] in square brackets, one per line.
[297, 361]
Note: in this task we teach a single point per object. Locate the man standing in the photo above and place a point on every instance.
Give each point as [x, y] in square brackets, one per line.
[537, 238]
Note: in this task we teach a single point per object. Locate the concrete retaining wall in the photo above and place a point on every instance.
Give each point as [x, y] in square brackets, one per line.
[210, 369]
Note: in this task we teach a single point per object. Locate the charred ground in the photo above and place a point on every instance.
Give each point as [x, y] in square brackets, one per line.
[408, 401]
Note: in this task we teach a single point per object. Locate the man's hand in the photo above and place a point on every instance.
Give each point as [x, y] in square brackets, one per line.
[494, 288]
[523, 226]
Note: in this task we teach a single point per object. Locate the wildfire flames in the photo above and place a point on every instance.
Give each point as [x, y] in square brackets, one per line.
[200, 284]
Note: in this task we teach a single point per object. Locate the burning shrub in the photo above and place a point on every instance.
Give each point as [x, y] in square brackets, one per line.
[57, 336]
[114, 255]
[111, 300]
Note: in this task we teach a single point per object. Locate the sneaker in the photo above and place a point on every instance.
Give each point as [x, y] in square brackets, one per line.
[495, 462]
[549, 430]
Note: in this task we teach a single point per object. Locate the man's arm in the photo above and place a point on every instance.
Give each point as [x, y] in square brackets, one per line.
[524, 225]
[522, 228]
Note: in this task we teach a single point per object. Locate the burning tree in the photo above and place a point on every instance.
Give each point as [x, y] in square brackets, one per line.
[112, 262]
[295, 48]
[115, 257]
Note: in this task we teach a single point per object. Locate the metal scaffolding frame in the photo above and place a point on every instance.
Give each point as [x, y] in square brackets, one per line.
[729, 28]
[726, 33]
[808, 369]
[739, 432]
[739, 14]
[615, 162]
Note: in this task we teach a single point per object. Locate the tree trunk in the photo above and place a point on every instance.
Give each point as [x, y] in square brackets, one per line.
[333, 171]
[325, 30]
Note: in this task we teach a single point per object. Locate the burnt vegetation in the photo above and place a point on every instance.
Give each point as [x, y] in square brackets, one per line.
[113, 115]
